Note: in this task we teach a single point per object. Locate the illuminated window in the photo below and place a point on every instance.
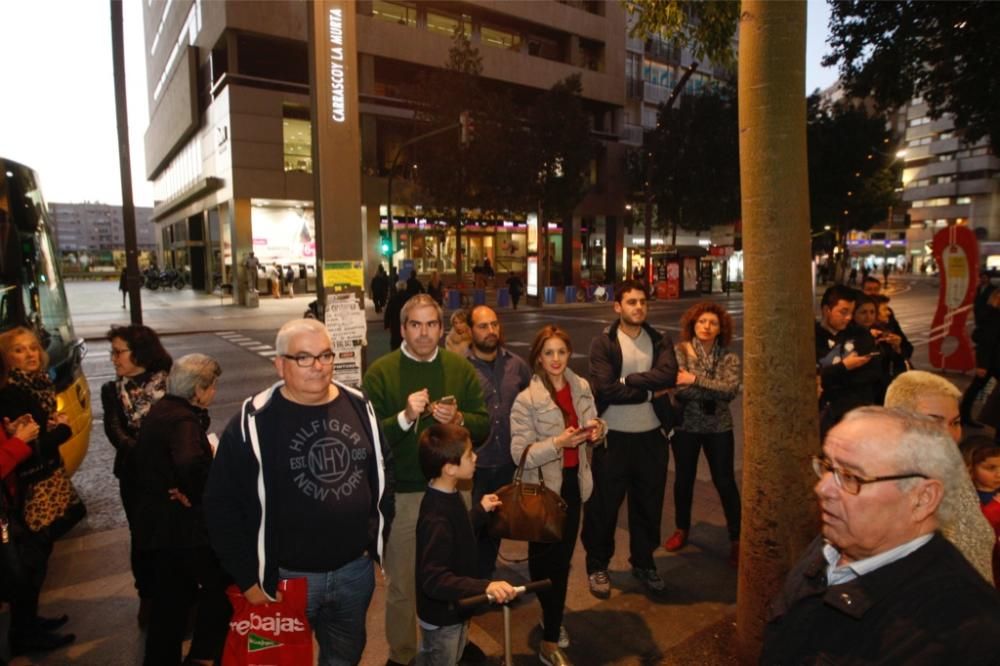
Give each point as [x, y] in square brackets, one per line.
[939, 201]
[395, 12]
[447, 25]
[297, 131]
[963, 200]
[503, 39]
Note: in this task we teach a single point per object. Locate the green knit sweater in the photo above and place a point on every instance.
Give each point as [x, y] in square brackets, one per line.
[393, 377]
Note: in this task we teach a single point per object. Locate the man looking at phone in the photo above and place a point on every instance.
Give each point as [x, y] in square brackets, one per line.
[844, 356]
[634, 460]
[411, 388]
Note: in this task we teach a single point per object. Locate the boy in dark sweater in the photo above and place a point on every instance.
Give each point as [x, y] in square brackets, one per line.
[446, 546]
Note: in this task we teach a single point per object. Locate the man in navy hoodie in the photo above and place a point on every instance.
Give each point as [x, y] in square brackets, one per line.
[301, 487]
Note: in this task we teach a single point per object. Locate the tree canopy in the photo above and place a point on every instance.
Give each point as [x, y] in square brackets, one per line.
[522, 154]
[853, 169]
[705, 28]
[938, 51]
[696, 156]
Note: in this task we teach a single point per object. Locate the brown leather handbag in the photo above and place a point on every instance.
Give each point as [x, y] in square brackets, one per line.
[529, 511]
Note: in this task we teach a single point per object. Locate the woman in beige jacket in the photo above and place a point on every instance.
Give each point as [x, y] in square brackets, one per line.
[556, 417]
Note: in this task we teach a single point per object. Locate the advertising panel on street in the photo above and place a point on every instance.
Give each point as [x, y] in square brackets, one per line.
[956, 253]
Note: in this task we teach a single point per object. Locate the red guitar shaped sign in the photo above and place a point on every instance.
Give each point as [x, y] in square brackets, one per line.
[957, 255]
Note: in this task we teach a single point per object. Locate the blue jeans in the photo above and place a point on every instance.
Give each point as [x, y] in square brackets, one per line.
[336, 605]
[442, 646]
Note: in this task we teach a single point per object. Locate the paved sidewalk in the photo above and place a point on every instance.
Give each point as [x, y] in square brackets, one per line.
[89, 579]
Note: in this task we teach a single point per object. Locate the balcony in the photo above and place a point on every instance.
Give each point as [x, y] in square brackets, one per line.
[633, 88]
[653, 93]
[631, 135]
[978, 187]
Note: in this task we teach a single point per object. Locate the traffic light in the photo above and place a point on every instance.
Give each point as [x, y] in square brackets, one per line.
[385, 245]
[467, 126]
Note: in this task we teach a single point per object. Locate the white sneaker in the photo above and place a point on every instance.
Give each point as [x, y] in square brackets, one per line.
[563, 641]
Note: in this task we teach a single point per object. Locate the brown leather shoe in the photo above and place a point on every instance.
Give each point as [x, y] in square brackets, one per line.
[676, 541]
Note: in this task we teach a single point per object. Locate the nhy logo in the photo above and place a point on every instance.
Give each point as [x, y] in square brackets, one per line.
[274, 625]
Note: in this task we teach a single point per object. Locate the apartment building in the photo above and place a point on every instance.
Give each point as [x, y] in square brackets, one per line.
[228, 146]
[93, 233]
[948, 182]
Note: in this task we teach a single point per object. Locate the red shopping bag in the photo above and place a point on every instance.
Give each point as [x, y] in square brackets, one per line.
[272, 634]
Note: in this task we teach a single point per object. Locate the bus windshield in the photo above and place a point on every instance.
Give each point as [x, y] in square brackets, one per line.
[31, 291]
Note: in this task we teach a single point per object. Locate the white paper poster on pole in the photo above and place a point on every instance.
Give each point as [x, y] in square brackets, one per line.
[345, 319]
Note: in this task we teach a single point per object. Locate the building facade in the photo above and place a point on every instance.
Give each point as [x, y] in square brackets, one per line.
[228, 146]
[90, 236]
[948, 182]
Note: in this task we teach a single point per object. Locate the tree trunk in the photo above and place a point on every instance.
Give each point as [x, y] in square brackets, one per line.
[779, 401]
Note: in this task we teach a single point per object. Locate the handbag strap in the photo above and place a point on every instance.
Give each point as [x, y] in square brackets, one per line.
[520, 467]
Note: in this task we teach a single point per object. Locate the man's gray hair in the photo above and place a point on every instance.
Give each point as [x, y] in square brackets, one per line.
[923, 447]
[191, 372]
[420, 301]
[297, 327]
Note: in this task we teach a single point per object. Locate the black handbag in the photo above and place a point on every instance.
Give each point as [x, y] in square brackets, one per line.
[528, 511]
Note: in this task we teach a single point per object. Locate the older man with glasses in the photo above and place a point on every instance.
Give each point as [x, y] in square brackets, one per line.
[881, 585]
[301, 487]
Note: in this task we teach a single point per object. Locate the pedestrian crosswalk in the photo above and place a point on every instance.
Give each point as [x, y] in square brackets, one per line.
[240, 340]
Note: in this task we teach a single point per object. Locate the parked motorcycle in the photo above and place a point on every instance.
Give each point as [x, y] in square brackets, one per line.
[153, 279]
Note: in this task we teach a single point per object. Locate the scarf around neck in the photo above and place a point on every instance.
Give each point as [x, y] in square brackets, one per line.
[38, 385]
[138, 394]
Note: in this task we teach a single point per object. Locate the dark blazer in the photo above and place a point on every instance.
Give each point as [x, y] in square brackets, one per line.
[931, 607]
[120, 434]
[606, 370]
[172, 452]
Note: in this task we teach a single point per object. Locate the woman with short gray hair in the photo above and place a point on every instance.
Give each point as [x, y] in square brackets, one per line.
[172, 460]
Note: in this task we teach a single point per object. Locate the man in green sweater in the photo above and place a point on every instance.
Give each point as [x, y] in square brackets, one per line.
[412, 388]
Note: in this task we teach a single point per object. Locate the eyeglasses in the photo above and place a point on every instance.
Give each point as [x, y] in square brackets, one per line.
[115, 353]
[850, 482]
[305, 360]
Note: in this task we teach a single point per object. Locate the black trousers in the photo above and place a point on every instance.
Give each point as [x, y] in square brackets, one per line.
[486, 481]
[33, 551]
[551, 560]
[141, 561]
[719, 447]
[186, 576]
[632, 464]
